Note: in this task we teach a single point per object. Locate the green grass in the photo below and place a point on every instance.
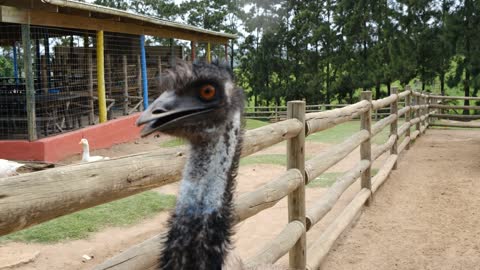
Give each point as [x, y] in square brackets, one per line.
[276, 159]
[342, 131]
[79, 225]
[250, 124]
[326, 180]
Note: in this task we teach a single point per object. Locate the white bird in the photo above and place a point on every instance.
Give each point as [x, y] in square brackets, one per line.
[9, 168]
[86, 152]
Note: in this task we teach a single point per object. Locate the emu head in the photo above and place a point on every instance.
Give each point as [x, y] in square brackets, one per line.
[199, 101]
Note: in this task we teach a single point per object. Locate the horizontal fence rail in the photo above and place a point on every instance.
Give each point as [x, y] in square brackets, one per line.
[33, 198]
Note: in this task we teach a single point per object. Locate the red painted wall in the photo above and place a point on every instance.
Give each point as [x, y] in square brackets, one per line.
[53, 149]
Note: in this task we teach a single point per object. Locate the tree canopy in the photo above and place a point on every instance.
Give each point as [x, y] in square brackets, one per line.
[326, 51]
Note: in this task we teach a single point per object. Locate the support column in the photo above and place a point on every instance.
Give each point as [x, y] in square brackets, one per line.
[125, 85]
[193, 47]
[296, 199]
[226, 53]
[15, 64]
[209, 53]
[29, 75]
[46, 44]
[37, 63]
[366, 147]
[102, 102]
[144, 72]
[172, 53]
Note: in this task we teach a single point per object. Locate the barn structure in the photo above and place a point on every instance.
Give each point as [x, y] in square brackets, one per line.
[70, 69]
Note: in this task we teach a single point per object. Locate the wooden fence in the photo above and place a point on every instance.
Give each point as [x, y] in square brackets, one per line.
[29, 199]
[463, 120]
[279, 113]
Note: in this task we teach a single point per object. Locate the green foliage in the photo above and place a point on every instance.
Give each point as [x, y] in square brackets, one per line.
[81, 224]
[6, 67]
[326, 51]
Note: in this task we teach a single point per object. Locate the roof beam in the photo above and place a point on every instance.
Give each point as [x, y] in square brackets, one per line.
[44, 18]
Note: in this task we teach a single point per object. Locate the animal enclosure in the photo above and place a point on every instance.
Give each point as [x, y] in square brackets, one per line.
[68, 65]
[105, 181]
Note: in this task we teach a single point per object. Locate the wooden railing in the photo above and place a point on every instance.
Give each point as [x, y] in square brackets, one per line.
[279, 113]
[33, 198]
[463, 120]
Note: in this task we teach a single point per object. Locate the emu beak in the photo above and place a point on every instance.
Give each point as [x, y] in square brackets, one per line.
[168, 111]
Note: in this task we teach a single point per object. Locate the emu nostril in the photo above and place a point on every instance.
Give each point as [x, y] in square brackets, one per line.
[158, 111]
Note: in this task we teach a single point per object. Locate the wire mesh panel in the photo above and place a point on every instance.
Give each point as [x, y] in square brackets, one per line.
[64, 73]
[13, 115]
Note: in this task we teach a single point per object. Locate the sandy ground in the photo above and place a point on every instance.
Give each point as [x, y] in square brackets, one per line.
[253, 233]
[426, 216]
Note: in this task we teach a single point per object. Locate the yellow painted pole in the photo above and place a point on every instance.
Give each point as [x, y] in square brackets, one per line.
[209, 53]
[102, 102]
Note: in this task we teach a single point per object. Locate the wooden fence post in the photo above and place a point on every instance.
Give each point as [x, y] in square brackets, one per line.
[394, 125]
[296, 199]
[417, 113]
[408, 115]
[366, 147]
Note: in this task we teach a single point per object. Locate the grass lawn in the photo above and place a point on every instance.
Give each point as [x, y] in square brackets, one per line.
[79, 225]
[325, 180]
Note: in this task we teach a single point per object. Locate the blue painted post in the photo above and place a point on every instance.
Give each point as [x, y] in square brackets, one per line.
[144, 72]
[15, 64]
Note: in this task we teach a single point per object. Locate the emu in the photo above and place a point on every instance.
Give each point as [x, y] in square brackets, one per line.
[203, 106]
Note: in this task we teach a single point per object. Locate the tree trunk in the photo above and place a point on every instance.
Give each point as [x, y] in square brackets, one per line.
[466, 88]
[389, 88]
[378, 94]
[442, 83]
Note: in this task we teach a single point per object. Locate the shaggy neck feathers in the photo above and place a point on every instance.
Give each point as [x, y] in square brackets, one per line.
[200, 228]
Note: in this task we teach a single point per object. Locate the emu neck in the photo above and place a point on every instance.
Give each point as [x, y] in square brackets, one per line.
[200, 229]
[86, 152]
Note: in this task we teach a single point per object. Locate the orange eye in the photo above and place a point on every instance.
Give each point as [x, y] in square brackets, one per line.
[207, 92]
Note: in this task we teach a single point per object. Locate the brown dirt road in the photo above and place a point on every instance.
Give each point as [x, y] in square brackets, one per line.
[426, 215]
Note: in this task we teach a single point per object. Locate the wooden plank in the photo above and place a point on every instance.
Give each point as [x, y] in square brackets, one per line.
[366, 147]
[278, 246]
[322, 162]
[404, 94]
[383, 173]
[317, 211]
[403, 129]
[29, 77]
[456, 124]
[33, 198]
[378, 150]
[322, 245]
[380, 103]
[403, 111]
[266, 196]
[455, 97]
[323, 120]
[296, 199]
[378, 126]
[403, 145]
[456, 116]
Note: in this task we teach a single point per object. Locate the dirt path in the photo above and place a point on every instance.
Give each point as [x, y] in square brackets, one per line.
[426, 216]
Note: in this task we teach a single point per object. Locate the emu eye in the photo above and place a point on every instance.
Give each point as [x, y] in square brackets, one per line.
[207, 92]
